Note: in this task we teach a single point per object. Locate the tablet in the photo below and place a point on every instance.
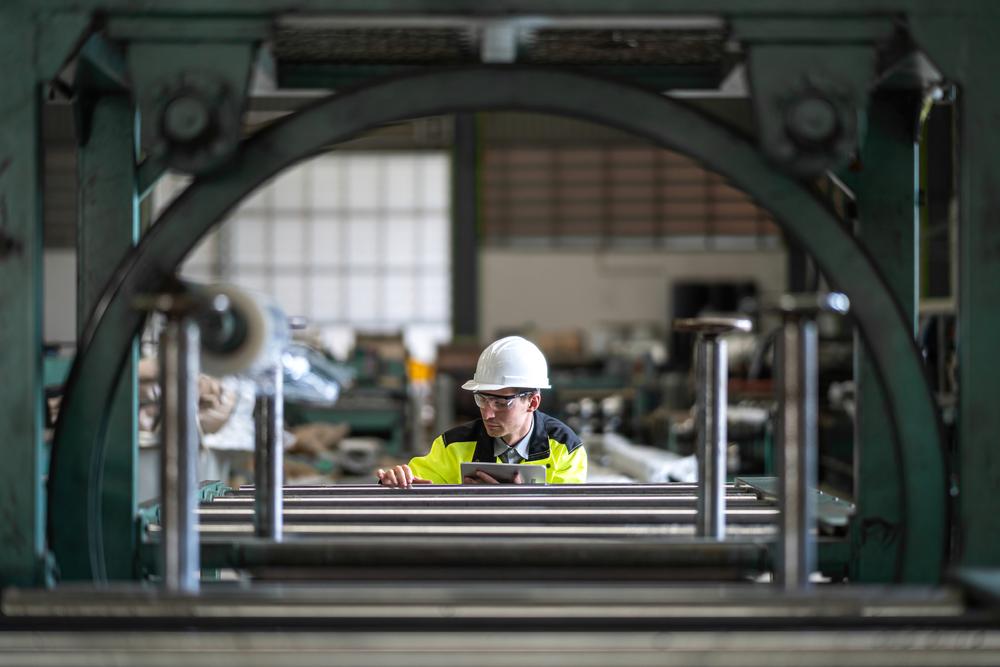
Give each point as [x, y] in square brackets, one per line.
[504, 472]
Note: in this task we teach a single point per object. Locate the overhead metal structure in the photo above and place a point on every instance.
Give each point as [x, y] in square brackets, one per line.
[340, 117]
[175, 75]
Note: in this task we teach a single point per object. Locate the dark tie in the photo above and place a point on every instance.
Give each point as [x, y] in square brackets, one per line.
[509, 455]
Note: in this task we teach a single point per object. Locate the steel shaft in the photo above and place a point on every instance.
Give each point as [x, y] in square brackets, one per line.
[179, 345]
[797, 453]
[711, 425]
[797, 434]
[269, 455]
[712, 373]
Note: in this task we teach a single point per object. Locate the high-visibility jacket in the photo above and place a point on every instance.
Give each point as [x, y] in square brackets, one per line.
[552, 444]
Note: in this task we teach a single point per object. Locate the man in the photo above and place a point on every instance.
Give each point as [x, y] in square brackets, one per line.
[509, 375]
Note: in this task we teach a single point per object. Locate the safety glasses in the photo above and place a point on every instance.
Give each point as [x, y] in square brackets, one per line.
[498, 402]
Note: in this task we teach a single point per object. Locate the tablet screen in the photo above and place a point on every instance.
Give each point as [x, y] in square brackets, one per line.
[504, 472]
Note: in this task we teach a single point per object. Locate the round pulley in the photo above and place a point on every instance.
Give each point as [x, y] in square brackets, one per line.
[241, 332]
[197, 122]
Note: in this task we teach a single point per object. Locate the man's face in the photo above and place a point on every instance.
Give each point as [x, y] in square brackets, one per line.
[504, 422]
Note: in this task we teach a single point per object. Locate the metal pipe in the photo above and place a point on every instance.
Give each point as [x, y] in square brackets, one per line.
[711, 378]
[344, 515]
[179, 345]
[711, 416]
[452, 490]
[400, 500]
[763, 532]
[797, 435]
[485, 551]
[269, 455]
[796, 453]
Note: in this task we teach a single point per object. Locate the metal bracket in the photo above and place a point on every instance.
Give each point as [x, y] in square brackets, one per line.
[810, 87]
[100, 70]
[191, 100]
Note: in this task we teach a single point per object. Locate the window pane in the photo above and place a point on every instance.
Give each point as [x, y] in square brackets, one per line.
[362, 182]
[289, 291]
[362, 299]
[436, 298]
[348, 240]
[253, 280]
[326, 186]
[327, 246]
[288, 240]
[435, 182]
[361, 237]
[435, 242]
[325, 298]
[400, 182]
[399, 298]
[401, 241]
[250, 240]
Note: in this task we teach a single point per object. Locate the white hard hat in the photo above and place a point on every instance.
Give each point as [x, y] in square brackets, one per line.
[510, 362]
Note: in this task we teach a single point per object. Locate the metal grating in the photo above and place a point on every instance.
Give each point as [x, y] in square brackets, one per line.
[375, 45]
[625, 47]
[456, 44]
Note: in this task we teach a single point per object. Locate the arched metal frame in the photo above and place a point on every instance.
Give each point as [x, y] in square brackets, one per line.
[77, 455]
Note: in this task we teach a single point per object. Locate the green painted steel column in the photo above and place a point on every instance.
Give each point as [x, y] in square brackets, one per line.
[979, 298]
[465, 228]
[107, 229]
[22, 504]
[886, 190]
[974, 68]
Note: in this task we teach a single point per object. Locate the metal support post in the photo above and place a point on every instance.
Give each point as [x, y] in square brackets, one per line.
[179, 348]
[973, 67]
[712, 399]
[107, 229]
[797, 435]
[797, 452]
[268, 455]
[711, 378]
[22, 531]
[49, 38]
[887, 226]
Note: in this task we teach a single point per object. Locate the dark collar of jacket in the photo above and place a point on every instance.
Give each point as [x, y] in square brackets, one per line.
[538, 444]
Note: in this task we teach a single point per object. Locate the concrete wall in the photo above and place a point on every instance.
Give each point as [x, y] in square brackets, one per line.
[596, 290]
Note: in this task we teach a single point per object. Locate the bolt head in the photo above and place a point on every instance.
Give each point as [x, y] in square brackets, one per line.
[812, 121]
[185, 119]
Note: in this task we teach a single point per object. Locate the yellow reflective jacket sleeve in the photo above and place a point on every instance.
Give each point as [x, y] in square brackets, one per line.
[568, 467]
[442, 465]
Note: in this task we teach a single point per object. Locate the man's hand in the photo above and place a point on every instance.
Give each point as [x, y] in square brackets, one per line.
[399, 477]
[484, 478]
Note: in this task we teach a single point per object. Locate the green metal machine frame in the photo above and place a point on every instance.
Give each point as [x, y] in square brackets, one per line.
[185, 64]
